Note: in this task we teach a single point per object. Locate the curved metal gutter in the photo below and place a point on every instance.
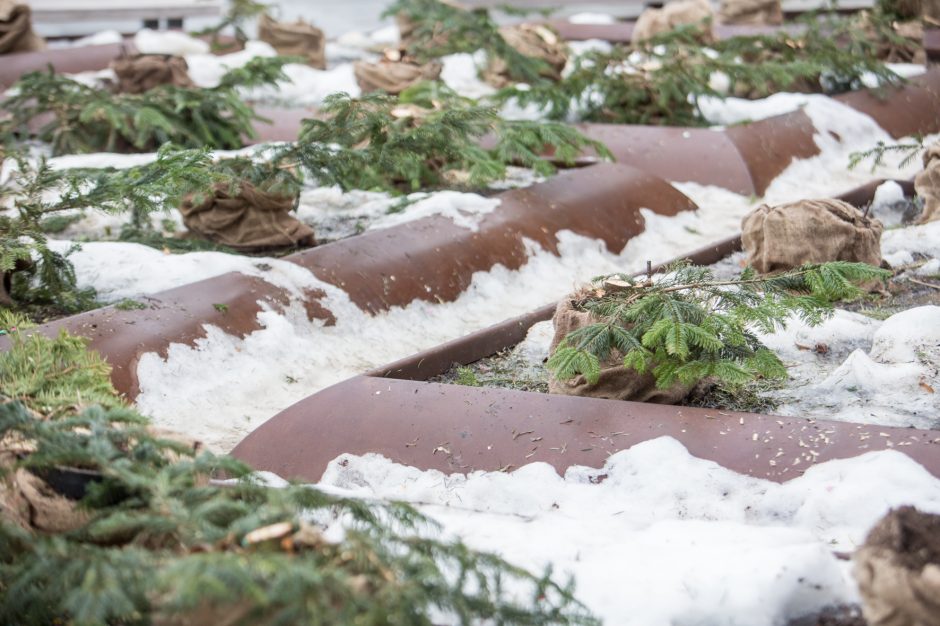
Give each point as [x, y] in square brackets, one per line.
[462, 429]
[453, 428]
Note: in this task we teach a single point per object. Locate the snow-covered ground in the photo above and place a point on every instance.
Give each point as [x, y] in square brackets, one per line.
[666, 539]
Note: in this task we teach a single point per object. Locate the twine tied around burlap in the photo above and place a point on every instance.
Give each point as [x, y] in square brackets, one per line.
[787, 236]
[615, 382]
[654, 22]
[142, 72]
[16, 29]
[294, 39]
[247, 219]
[927, 185]
[898, 570]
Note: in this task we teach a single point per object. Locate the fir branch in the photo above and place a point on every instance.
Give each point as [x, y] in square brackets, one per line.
[77, 118]
[239, 14]
[161, 545]
[440, 29]
[686, 326]
[910, 151]
[660, 81]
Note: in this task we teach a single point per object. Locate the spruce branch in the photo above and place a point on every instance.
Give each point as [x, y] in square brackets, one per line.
[661, 80]
[685, 325]
[440, 29]
[77, 118]
[910, 151]
[160, 544]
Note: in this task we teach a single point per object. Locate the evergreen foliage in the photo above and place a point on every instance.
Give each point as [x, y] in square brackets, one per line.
[88, 119]
[686, 326]
[163, 545]
[910, 151]
[239, 13]
[660, 81]
[35, 192]
[440, 29]
[417, 142]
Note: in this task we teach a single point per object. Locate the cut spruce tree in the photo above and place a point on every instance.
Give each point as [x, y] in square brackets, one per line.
[684, 325]
[152, 541]
[76, 118]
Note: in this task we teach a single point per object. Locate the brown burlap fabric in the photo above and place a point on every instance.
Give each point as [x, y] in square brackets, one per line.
[615, 382]
[810, 231]
[653, 22]
[296, 39]
[532, 40]
[393, 77]
[143, 72]
[250, 219]
[763, 12]
[16, 28]
[898, 570]
[927, 185]
[30, 503]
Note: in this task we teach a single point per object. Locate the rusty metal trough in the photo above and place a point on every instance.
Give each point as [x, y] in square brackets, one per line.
[453, 428]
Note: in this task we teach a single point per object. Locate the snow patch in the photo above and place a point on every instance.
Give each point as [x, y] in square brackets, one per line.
[168, 42]
[665, 538]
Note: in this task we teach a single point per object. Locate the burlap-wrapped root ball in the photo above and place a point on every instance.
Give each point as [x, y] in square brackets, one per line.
[654, 22]
[16, 28]
[898, 570]
[757, 12]
[615, 382]
[140, 73]
[532, 40]
[248, 220]
[927, 185]
[294, 39]
[394, 76]
[809, 231]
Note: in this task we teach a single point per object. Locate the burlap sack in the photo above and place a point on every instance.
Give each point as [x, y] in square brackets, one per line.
[762, 12]
[393, 77]
[809, 231]
[249, 220]
[30, 503]
[143, 72]
[297, 39]
[906, 47]
[16, 28]
[615, 382]
[927, 185]
[898, 570]
[532, 40]
[654, 22]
